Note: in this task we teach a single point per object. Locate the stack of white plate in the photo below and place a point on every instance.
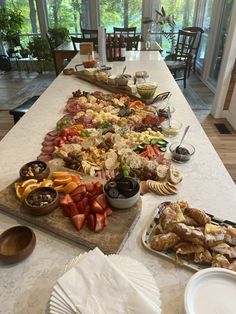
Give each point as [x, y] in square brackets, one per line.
[211, 291]
[135, 272]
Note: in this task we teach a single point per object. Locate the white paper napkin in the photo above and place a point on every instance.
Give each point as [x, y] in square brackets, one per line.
[95, 285]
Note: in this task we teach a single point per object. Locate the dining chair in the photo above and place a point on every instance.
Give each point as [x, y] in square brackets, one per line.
[182, 56]
[89, 33]
[132, 42]
[196, 46]
[126, 31]
[78, 40]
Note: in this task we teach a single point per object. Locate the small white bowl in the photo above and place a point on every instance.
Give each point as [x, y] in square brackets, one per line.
[123, 203]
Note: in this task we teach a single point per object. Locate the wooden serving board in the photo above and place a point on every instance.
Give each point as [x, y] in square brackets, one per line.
[115, 89]
[110, 240]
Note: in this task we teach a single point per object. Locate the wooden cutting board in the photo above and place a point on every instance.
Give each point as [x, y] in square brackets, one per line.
[110, 240]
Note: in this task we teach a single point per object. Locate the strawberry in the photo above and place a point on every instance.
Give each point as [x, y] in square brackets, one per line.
[89, 186]
[91, 221]
[78, 221]
[85, 201]
[66, 211]
[98, 187]
[73, 209]
[97, 208]
[99, 222]
[78, 197]
[105, 219]
[81, 189]
[108, 211]
[87, 210]
[101, 199]
[66, 200]
[80, 207]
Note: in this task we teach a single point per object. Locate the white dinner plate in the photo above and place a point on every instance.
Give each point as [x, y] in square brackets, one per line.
[211, 291]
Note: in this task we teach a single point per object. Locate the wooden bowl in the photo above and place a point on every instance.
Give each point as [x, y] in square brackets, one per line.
[39, 176]
[16, 244]
[37, 210]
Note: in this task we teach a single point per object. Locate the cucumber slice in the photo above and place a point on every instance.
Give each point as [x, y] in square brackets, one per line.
[162, 149]
[161, 142]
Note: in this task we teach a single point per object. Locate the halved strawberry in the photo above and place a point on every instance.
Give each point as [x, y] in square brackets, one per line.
[89, 186]
[78, 197]
[108, 211]
[87, 210]
[105, 219]
[101, 199]
[80, 207]
[81, 189]
[85, 201]
[98, 186]
[78, 221]
[99, 222]
[66, 211]
[91, 221]
[66, 200]
[97, 208]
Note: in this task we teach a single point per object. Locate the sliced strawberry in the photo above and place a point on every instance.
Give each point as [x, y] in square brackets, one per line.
[66, 200]
[81, 189]
[85, 201]
[98, 186]
[87, 210]
[66, 211]
[108, 211]
[78, 221]
[91, 221]
[97, 208]
[101, 199]
[80, 207]
[105, 219]
[78, 197]
[73, 209]
[89, 186]
[99, 222]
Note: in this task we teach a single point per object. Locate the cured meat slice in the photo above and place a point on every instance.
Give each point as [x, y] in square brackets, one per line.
[48, 149]
[44, 157]
[53, 133]
[49, 137]
[47, 143]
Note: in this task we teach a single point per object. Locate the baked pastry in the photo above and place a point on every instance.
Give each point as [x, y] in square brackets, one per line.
[183, 204]
[198, 215]
[189, 233]
[167, 219]
[230, 236]
[188, 248]
[174, 175]
[204, 257]
[214, 234]
[162, 242]
[225, 249]
[232, 266]
[219, 260]
[190, 221]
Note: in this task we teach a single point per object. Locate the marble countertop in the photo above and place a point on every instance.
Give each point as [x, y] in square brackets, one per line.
[26, 287]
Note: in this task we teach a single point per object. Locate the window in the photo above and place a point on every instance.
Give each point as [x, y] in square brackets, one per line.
[72, 14]
[116, 13]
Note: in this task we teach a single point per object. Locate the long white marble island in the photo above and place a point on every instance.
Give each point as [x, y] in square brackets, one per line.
[26, 287]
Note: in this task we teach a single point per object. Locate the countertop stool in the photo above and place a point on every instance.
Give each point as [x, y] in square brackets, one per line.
[19, 111]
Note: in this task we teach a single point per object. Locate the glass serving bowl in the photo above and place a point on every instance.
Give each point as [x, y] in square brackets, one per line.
[171, 130]
[162, 110]
[146, 90]
[181, 153]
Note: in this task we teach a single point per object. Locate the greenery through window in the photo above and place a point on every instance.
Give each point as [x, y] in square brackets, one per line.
[120, 13]
[72, 14]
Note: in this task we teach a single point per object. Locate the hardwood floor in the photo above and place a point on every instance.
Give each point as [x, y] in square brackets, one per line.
[223, 143]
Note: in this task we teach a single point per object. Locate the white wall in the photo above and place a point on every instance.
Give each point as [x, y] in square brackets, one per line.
[225, 75]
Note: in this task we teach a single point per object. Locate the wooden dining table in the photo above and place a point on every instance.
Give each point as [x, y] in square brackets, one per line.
[27, 286]
[62, 52]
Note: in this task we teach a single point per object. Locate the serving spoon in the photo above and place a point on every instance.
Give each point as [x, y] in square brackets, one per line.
[183, 137]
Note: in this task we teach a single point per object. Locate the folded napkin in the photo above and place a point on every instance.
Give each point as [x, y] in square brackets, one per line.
[95, 285]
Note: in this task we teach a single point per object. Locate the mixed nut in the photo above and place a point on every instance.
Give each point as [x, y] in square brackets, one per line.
[41, 198]
[33, 169]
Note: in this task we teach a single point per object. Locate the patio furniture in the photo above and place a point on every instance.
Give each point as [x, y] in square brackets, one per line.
[19, 111]
[78, 40]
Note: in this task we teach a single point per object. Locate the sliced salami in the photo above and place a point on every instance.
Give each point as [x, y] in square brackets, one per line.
[44, 157]
[47, 143]
[48, 149]
[49, 137]
[53, 133]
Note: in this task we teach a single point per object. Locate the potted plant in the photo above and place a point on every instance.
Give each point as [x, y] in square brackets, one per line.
[39, 49]
[11, 21]
[58, 35]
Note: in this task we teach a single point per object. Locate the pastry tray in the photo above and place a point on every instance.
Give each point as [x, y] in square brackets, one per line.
[149, 232]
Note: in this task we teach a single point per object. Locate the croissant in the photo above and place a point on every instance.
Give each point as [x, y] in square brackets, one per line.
[204, 257]
[167, 219]
[230, 236]
[232, 266]
[183, 205]
[189, 233]
[225, 249]
[198, 215]
[190, 221]
[214, 234]
[162, 242]
[220, 260]
[188, 248]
